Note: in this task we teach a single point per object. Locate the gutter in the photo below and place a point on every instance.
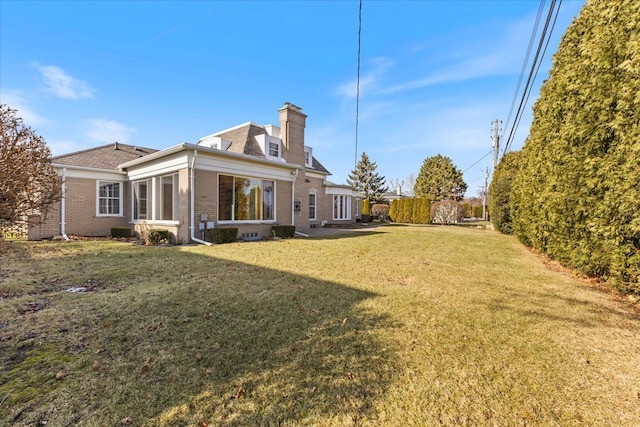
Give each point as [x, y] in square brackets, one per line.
[192, 201]
[63, 232]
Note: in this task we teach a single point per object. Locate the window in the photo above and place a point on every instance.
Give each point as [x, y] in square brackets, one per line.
[109, 198]
[308, 157]
[312, 206]
[168, 197]
[274, 149]
[156, 198]
[341, 207]
[141, 202]
[245, 199]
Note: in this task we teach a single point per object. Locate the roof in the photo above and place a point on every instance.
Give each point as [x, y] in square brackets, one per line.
[317, 166]
[243, 139]
[103, 157]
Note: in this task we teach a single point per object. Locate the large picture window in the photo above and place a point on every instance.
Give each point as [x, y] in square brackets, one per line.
[245, 199]
[109, 198]
[341, 207]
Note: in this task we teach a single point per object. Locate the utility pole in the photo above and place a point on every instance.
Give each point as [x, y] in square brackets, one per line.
[484, 195]
[496, 141]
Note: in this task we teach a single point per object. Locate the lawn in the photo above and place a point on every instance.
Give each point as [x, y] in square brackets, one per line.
[396, 326]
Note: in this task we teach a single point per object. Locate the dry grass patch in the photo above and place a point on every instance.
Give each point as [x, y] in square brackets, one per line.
[403, 326]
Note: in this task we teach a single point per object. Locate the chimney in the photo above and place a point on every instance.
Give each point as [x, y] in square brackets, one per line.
[115, 146]
[292, 124]
[399, 190]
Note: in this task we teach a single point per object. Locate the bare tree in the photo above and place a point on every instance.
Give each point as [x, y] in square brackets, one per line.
[447, 212]
[29, 184]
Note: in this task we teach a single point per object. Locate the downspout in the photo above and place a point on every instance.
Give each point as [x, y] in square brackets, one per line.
[192, 201]
[63, 232]
[293, 197]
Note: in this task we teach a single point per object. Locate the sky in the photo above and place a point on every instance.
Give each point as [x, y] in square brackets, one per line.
[433, 74]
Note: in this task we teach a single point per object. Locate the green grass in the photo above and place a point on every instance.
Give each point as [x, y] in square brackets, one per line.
[401, 325]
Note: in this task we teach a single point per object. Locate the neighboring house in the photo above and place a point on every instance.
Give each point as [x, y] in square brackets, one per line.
[249, 176]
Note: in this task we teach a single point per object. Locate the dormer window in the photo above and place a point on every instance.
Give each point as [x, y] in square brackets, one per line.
[274, 149]
[308, 157]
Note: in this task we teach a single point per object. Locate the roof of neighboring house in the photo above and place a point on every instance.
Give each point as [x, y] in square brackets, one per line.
[103, 157]
[318, 166]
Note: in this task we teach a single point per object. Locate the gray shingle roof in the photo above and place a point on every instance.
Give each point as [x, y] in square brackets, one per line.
[103, 157]
[243, 140]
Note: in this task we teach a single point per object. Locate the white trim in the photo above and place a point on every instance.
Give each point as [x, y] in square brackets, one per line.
[86, 168]
[120, 198]
[344, 209]
[156, 222]
[315, 206]
[94, 174]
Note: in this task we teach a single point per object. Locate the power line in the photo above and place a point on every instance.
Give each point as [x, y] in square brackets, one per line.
[525, 62]
[355, 158]
[545, 37]
[478, 161]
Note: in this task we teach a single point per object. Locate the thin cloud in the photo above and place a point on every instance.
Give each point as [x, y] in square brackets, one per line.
[487, 58]
[367, 81]
[62, 84]
[106, 131]
[18, 101]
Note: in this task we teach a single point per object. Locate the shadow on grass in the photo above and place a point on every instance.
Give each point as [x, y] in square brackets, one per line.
[192, 338]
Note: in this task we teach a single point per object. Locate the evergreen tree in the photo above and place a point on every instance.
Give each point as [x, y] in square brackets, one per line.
[500, 192]
[439, 179]
[576, 195]
[393, 210]
[367, 181]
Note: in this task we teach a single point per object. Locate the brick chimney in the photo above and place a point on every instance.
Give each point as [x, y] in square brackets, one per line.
[292, 124]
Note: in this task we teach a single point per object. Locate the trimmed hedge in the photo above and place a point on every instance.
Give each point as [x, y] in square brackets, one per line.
[121, 232]
[283, 231]
[576, 196]
[500, 192]
[222, 235]
[155, 237]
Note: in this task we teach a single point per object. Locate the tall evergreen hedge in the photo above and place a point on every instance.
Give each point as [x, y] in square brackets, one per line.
[577, 195]
[500, 192]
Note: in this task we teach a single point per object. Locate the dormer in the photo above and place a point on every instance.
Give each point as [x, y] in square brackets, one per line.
[270, 144]
[215, 142]
[308, 157]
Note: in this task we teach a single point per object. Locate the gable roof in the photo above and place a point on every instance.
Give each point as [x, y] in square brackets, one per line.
[103, 157]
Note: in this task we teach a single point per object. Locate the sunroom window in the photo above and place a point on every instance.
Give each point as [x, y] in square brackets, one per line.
[245, 199]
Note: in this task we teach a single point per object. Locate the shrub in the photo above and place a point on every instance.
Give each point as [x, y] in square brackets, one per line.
[222, 235]
[477, 212]
[155, 237]
[366, 207]
[380, 210]
[447, 212]
[393, 210]
[366, 218]
[283, 231]
[121, 232]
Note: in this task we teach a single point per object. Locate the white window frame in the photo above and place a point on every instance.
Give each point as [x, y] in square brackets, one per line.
[357, 208]
[134, 202]
[308, 157]
[275, 145]
[175, 194]
[341, 207]
[314, 206]
[120, 199]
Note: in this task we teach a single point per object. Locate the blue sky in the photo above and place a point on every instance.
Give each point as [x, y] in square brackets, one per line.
[434, 74]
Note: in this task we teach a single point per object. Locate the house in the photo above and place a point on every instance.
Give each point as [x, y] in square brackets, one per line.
[249, 176]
